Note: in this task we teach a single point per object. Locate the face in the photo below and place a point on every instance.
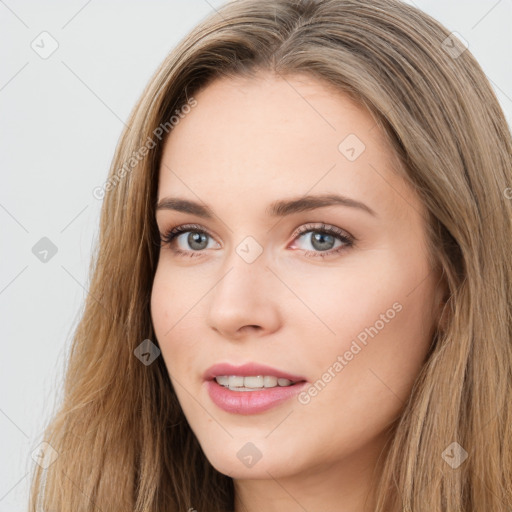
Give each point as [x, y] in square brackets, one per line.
[300, 255]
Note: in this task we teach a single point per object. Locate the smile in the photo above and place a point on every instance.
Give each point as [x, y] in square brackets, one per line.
[251, 383]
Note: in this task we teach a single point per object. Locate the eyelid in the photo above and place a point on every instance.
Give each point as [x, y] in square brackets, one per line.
[170, 235]
[321, 226]
[347, 240]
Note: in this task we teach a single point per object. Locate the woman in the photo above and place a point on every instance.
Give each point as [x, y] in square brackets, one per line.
[301, 298]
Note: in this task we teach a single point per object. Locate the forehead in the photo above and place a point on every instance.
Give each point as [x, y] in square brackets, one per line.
[273, 137]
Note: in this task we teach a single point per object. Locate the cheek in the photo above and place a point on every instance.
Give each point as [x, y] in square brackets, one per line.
[376, 308]
[160, 307]
[167, 307]
[383, 328]
[362, 382]
[177, 299]
[173, 296]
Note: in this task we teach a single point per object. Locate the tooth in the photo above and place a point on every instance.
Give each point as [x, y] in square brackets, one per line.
[269, 382]
[223, 380]
[253, 382]
[235, 381]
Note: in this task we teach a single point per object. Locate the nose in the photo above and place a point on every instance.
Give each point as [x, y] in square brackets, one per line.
[244, 300]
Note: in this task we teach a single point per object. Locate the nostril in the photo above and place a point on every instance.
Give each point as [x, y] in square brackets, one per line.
[250, 327]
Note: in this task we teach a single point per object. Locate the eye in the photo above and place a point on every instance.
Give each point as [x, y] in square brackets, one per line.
[196, 239]
[323, 239]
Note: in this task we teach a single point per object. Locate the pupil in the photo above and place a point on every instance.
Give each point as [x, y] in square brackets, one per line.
[194, 238]
[320, 243]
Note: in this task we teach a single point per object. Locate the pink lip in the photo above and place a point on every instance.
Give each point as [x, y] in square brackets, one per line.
[250, 402]
[246, 370]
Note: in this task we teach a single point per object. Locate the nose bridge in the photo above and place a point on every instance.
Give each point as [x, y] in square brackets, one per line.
[242, 295]
[243, 276]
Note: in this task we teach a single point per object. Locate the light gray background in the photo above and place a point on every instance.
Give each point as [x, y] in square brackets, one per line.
[60, 121]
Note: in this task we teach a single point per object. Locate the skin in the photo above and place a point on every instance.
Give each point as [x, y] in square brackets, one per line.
[247, 143]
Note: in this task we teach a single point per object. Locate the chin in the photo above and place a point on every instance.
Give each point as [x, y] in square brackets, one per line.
[243, 459]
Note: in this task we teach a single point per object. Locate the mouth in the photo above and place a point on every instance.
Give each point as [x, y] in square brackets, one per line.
[251, 388]
[253, 382]
[250, 376]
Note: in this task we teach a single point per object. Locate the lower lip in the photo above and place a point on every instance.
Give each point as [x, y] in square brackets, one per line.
[251, 402]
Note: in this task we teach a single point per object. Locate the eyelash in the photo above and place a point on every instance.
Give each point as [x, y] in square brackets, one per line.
[348, 241]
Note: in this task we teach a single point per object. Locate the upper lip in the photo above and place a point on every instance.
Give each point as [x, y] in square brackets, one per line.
[248, 369]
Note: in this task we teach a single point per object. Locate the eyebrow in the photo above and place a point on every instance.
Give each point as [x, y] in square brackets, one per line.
[279, 208]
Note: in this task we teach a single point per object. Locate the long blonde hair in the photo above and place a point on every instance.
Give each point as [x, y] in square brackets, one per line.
[122, 440]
